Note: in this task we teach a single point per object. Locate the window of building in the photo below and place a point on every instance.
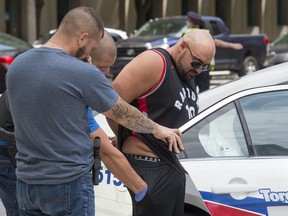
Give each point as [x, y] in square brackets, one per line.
[282, 16]
[223, 10]
[253, 12]
[189, 5]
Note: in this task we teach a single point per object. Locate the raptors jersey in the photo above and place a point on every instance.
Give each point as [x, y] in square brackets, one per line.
[172, 101]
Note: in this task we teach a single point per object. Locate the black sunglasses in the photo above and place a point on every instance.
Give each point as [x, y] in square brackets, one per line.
[197, 63]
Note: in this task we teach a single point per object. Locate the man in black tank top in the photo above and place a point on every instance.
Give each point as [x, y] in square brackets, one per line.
[158, 82]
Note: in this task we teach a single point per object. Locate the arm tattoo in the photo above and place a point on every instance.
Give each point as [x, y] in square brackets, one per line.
[132, 118]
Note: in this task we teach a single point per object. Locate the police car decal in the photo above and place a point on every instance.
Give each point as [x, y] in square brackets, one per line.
[250, 206]
[106, 177]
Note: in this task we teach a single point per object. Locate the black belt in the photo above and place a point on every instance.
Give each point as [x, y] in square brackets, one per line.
[143, 158]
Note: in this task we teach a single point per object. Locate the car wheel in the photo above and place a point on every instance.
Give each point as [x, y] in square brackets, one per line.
[249, 65]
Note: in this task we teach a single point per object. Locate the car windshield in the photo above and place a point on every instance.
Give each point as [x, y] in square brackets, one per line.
[163, 27]
[281, 41]
[11, 41]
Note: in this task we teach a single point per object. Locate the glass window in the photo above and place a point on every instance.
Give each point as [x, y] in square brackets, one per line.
[266, 115]
[280, 41]
[253, 12]
[282, 17]
[215, 28]
[163, 27]
[218, 135]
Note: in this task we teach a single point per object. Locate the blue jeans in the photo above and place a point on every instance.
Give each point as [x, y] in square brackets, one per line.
[8, 184]
[74, 198]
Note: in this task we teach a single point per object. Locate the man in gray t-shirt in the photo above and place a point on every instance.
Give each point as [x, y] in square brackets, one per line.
[49, 91]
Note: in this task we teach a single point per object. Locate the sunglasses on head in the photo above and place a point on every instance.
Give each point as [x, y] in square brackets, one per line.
[197, 63]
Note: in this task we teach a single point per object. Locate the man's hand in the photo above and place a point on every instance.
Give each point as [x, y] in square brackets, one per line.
[87, 59]
[236, 46]
[171, 136]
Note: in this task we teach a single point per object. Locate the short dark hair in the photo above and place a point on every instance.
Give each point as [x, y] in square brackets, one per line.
[82, 19]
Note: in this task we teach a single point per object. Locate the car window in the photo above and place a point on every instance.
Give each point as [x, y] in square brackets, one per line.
[218, 135]
[172, 28]
[283, 40]
[266, 115]
[215, 30]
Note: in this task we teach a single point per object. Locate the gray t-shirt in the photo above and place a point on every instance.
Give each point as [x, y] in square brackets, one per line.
[49, 93]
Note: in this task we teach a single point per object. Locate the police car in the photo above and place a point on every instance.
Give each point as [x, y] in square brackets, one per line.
[236, 152]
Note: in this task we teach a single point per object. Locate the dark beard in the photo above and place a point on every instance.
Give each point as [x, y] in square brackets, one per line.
[185, 75]
[80, 53]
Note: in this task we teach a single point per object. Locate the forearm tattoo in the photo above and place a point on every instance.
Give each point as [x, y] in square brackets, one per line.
[132, 118]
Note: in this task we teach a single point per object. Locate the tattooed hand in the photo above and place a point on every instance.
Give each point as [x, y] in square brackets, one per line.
[131, 118]
[171, 136]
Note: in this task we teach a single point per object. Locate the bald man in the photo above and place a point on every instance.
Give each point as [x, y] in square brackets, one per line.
[49, 90]
[104, 56]
[159, 83]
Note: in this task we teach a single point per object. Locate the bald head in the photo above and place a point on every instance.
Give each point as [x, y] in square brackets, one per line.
[104, 56]
[201, 43]
[82, 19]
[193, 53]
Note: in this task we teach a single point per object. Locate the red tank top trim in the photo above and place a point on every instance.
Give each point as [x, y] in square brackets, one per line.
[142, 99]
[161, 77]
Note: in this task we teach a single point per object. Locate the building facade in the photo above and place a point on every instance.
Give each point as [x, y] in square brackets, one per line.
[28, 19]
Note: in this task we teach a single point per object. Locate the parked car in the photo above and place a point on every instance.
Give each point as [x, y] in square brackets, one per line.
[115, 34]
[10, 47]
[43, 39]
[236, 151]
[165, 32]
[278, 51]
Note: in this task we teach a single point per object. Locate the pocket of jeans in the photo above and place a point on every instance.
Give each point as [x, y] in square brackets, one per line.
[54, 199]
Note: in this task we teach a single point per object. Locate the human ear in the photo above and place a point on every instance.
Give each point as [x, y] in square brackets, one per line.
[82, 38]
[182, 45]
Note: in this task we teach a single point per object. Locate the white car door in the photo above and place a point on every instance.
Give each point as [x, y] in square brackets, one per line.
[237, 155]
